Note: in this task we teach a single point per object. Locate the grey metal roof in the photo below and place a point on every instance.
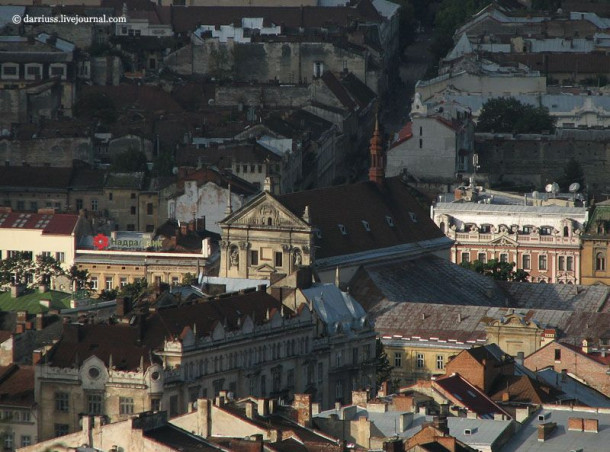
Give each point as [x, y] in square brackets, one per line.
[561, 439]
[233, 284]
[336, 308]
[510, 208]
[574, 389]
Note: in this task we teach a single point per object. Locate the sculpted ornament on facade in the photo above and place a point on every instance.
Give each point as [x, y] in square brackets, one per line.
[234, 257]
[297, 257]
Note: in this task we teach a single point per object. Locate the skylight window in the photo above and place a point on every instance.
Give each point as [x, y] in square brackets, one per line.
[389, 220]
[342, 229]
[367, 226]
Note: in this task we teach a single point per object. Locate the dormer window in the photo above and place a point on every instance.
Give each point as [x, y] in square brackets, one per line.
[389, 220]
[342, 229]
[367, 226]
[413, 217]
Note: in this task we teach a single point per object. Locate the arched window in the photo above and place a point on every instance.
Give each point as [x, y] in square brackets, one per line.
[566, 231]
[600, 261]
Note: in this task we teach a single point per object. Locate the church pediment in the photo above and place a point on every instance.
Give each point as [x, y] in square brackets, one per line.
[503, 241]
[264, 211]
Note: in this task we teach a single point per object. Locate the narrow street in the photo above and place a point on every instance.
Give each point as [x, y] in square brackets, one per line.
[413, 66]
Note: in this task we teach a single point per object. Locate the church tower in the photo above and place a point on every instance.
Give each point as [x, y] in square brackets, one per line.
[377, 169]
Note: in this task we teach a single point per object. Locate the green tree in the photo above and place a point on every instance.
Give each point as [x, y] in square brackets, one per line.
[96, 105]
[109, 294]
[78, 278]
[450, 16]
[383, 369]
[46, 268]
[189, 279]
[508, 115]
[134, 290]
[572, 172]
[129, 161]
[501, 271]
[18, 268]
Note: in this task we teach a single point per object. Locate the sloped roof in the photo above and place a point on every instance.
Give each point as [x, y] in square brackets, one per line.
[386, 210]
[59, 224]
[36, 177]
[336, 308]
[426, 279]
[523, 389]
[121, 340]
[17, 385]
[468, 395]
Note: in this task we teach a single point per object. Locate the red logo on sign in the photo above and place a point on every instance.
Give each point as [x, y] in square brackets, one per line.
[100, 241]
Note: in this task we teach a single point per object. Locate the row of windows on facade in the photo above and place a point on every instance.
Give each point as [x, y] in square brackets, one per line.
[246, 358]
[525, 230]
[58, 255]
[32, 71]
[564, 263]
[94, 403]
[133, 209]
[33, 206]
[9, 440]
[419, 361]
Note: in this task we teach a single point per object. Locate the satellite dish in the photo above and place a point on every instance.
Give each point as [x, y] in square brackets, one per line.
[175, 170]
[548, 188]
[535, 194]
[574, 187]
[555, 186]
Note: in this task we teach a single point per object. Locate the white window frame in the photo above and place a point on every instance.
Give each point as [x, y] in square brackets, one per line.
[10, 77]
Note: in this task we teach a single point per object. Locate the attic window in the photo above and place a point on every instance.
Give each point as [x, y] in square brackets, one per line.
[342, 229]
[413, 217]
[389, 220]
[366, 225]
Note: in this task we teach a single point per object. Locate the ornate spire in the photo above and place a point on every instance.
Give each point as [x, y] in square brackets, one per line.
[377, 169]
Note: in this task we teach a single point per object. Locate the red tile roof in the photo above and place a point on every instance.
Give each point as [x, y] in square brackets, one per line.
[461, 392]
[523, 389]
[57, 224]
[17, 385]
[404, 134]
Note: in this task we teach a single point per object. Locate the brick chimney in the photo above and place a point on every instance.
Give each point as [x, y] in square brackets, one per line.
[204, 418]
[39, 321]
[545, 430]
[440, 423]
[302, 406]
[360, 397]
[377, 169]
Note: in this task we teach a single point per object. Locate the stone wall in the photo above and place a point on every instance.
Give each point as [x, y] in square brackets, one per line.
[540, 159]
[262, 95]
[56, 152]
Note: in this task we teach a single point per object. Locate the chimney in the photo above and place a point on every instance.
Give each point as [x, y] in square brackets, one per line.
[377, 169]
[39, 321]
[337, 406]
[19, 328]
[360, 398]
[545, 430]
[585, 346]
[440, 423]
[123, 306]
[263, 407]
[36, 356]
[404, 421]
[302, 405]
[204, 420]
[591, 425]
[22, 316]
[250, 410]
[383, 389]
[575, 424]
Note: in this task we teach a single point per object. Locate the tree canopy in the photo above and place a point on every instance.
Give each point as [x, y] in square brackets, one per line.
[572, 172]
[501, 271]
[508, 115]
